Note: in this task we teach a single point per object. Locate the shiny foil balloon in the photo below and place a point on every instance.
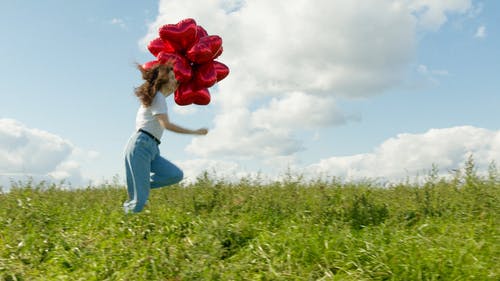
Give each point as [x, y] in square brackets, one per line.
[221, 70]
[181, 35]
[157, 46]
[186, 95]
[191, 51]
[182, 67]
[204, 75]
[205, 49]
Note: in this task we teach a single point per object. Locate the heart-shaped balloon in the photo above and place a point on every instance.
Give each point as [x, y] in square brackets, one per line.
[204, 75]
[158, 45]
[205, 49]
[221, 69]
[186, 95]
[181, 35]
[182, 68]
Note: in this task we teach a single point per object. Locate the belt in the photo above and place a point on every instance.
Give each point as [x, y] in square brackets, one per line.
[150, 135]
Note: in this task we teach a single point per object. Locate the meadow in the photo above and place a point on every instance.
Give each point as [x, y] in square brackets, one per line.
[440, 229]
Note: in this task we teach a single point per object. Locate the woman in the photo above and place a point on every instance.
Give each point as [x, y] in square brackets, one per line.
[145, 168]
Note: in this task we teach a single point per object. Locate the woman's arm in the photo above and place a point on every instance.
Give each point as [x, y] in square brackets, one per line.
[165, 123]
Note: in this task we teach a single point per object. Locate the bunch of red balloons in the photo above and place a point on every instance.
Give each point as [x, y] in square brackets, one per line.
[192, 53]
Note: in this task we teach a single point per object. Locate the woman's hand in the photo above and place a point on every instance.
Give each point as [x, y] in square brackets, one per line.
[201, 131]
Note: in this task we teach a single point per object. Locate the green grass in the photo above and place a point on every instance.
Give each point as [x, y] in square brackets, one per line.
[211, 230]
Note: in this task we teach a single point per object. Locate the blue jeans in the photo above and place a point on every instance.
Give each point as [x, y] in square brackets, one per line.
[146, 169]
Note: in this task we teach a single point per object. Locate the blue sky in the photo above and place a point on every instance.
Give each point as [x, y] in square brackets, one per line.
[415, 85]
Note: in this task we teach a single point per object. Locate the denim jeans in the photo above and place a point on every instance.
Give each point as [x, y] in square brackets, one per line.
[146, 169]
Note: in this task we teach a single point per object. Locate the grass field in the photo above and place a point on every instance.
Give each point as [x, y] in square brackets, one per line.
[290, 230]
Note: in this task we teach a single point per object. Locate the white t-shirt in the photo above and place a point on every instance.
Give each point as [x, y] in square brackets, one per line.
[146, 119]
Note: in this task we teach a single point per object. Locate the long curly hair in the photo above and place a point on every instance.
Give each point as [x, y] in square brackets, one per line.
[153, 81]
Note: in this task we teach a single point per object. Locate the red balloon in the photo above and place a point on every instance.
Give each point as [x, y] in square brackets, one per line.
[182, 68]
[150, 64]
[204, 75]
[205, 49]
[181, 35]
[218, 53]
[158, 45]
[186, 95]
[200, 32]
[221, 69]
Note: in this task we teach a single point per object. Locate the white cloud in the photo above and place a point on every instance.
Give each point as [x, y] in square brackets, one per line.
[334, 47]
[220, 169]
[67, 171]
[283, 54]
[32, 152]
[232, 171]
[480, 32]
[432, 14]
[236, 136]
[185, 110]
[298, 110]
[268, 131]
[410, 154]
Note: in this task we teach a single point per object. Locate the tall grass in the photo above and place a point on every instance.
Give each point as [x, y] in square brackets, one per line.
[443, 229]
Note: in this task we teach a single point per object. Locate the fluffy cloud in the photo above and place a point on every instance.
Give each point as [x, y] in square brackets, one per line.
[291, 60]
[221, 169]
[67, 171]
[236, 136]
[230, 170]
[268, 131]
[24, 149]
[347, 48]
[410, 154]
[331, 46]
[32, 152]
[298, 110]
